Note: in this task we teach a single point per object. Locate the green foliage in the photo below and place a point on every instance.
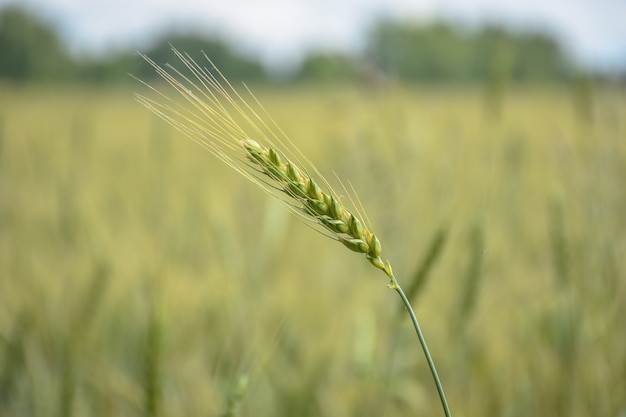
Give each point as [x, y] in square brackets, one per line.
[411, 52]
[440, 52]
[473, 276]
[326, 67]
[236, 398]
[560, 251]
[152, 363]
[427, 263]
[583, 96]
[117, 67]
[111, 69]
[31, 49]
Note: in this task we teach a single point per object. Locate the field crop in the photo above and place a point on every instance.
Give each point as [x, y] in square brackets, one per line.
[140, 276]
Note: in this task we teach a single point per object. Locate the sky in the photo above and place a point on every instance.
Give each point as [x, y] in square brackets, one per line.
[280, 32]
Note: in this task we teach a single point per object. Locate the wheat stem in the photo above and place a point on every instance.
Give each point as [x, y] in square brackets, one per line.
[431, 364]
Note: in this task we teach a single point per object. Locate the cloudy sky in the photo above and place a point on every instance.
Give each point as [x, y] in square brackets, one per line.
[278, 31]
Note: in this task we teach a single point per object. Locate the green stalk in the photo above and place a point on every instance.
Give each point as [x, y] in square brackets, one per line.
[431, 364]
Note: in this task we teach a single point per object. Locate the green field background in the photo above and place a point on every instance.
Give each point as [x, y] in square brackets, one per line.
[141, 276]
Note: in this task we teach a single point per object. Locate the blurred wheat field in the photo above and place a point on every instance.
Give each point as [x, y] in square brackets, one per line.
[140, 276]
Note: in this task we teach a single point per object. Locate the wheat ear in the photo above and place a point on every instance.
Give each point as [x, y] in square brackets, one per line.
[214, 115]
[319, 205]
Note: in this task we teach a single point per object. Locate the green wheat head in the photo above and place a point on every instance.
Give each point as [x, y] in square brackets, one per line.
[210, 111]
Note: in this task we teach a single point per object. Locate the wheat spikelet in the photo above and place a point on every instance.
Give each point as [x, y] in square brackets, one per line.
[216, 116]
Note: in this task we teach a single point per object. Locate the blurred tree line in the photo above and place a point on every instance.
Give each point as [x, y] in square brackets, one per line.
[32, 50]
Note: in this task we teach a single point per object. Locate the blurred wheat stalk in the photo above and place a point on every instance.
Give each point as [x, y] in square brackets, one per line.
[213, 114]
